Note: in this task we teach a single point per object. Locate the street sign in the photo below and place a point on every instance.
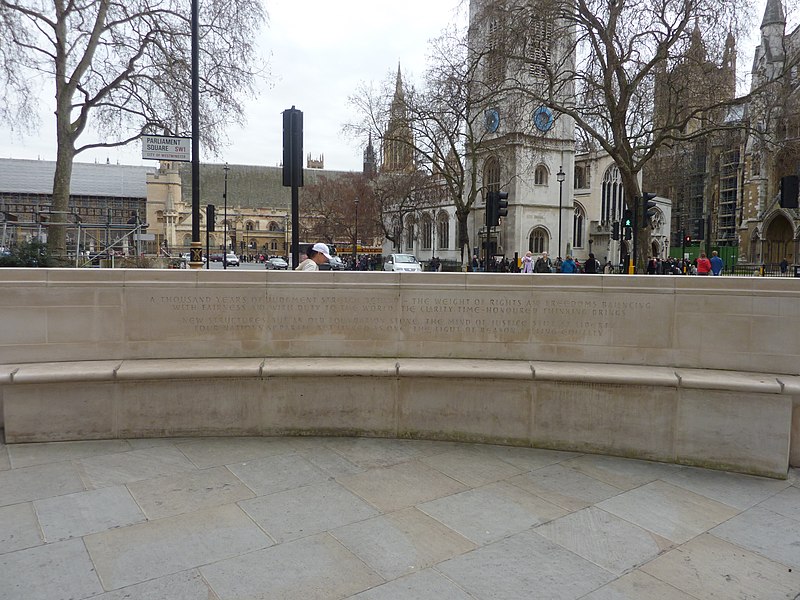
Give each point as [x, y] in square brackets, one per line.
[159, 147]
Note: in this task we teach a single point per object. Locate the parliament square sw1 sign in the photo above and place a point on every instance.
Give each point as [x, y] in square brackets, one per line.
[159, 147]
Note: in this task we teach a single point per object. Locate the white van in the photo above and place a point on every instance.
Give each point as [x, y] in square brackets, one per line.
[402, 263]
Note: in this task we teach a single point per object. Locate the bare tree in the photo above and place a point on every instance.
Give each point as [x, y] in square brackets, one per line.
[329, 208]
[447, 138]
[120, 69]
[599, 62]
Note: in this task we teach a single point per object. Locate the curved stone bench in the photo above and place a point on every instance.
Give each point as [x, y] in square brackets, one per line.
[718, 419]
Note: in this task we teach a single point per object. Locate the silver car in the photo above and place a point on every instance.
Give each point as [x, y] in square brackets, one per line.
[402, 263]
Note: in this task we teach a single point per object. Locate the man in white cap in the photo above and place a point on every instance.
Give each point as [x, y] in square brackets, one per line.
[317, 255]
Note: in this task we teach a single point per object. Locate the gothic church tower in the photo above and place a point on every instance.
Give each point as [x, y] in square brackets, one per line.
[398, 153]
[527, 148]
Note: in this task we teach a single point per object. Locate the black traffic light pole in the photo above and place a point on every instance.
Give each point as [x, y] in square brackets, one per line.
[293, 170]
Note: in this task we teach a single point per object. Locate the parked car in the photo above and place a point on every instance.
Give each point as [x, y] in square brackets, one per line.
[402, 263]
[336, 263]
[276, 263]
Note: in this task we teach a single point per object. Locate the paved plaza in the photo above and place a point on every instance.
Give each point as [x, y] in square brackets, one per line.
[382, 519]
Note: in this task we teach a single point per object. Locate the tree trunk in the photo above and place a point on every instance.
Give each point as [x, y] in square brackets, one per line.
[463, 237]
[57, 230]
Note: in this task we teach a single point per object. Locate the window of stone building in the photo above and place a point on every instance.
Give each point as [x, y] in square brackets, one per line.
[582, 177]
[410, 232]
[427, 232]
[273, 226]
[443, 230]
[539, 241]
[495, 59]
[538, 45]
[540, 175]
[578, 221]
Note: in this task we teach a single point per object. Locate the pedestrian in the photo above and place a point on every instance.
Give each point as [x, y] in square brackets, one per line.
[318, 254]
[475, 264]
[543, 264]
[716, 264]
[527, 263]
[568, 265]
[703, 265]
[784, 265]
[608, 269]
[591, 266]
[652, 266]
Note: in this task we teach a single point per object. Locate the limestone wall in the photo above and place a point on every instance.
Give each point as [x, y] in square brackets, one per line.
[748, 324]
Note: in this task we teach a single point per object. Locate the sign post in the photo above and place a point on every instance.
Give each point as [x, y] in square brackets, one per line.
[161, 147]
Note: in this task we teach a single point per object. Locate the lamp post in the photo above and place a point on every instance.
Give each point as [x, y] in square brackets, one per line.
[226, 168]
[355, 238]
[560, 176]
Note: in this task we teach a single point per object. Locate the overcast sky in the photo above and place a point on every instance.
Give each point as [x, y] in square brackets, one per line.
[319, 51]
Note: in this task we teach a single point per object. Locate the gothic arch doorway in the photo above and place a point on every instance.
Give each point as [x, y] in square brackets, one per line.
[778, 241]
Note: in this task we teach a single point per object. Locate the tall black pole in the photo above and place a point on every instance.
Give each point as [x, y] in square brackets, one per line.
[355, 238]
[226, 168]
[560, 176]
[196, 256]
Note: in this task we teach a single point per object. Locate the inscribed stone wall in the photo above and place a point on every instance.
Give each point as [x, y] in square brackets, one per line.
[728, 323]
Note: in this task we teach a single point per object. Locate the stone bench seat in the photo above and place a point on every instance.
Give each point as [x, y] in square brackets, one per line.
[729, 420]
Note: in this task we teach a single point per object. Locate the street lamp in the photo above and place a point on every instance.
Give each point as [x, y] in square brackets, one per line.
[560, 176]
[226, 168]
[355, 238]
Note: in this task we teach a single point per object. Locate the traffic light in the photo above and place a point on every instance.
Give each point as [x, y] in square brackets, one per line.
[615, 230]
[500, 207]
[211, 218]
[627, 223]
[491, 203]
[292, 147]
[687, 239]
[627, 218]
[700, 229]
[649, 209]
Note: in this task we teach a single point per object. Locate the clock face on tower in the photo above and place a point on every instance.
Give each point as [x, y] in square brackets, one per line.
[543, 118]
[492, 119]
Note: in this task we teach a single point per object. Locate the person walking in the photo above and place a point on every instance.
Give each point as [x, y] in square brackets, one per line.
[527, 263]
[318, 254]
[716, 264]
[703, 265]
[592, 265]
[568, 265]
[543, 264]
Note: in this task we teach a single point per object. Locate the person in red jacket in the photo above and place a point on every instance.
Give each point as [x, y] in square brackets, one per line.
[703, 265]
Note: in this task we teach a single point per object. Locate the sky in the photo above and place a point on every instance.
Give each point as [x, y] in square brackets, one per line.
[320, 52]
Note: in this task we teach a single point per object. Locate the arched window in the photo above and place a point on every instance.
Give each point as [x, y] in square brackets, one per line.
[540, 175]
[249, 226]
[582, 180]
[273, 245]
[613, 197]
[491, 174]
[427, 232]
[187, 240]
[273, 226]
[410, 232]
[539, 241]
[578, 220]
[443, 230]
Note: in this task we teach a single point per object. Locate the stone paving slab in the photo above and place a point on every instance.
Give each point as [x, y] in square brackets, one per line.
[374, 519]
[19, 528]
[82, 513]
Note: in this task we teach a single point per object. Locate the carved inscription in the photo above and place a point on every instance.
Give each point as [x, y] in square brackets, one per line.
[439, 317]
[214, 313]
